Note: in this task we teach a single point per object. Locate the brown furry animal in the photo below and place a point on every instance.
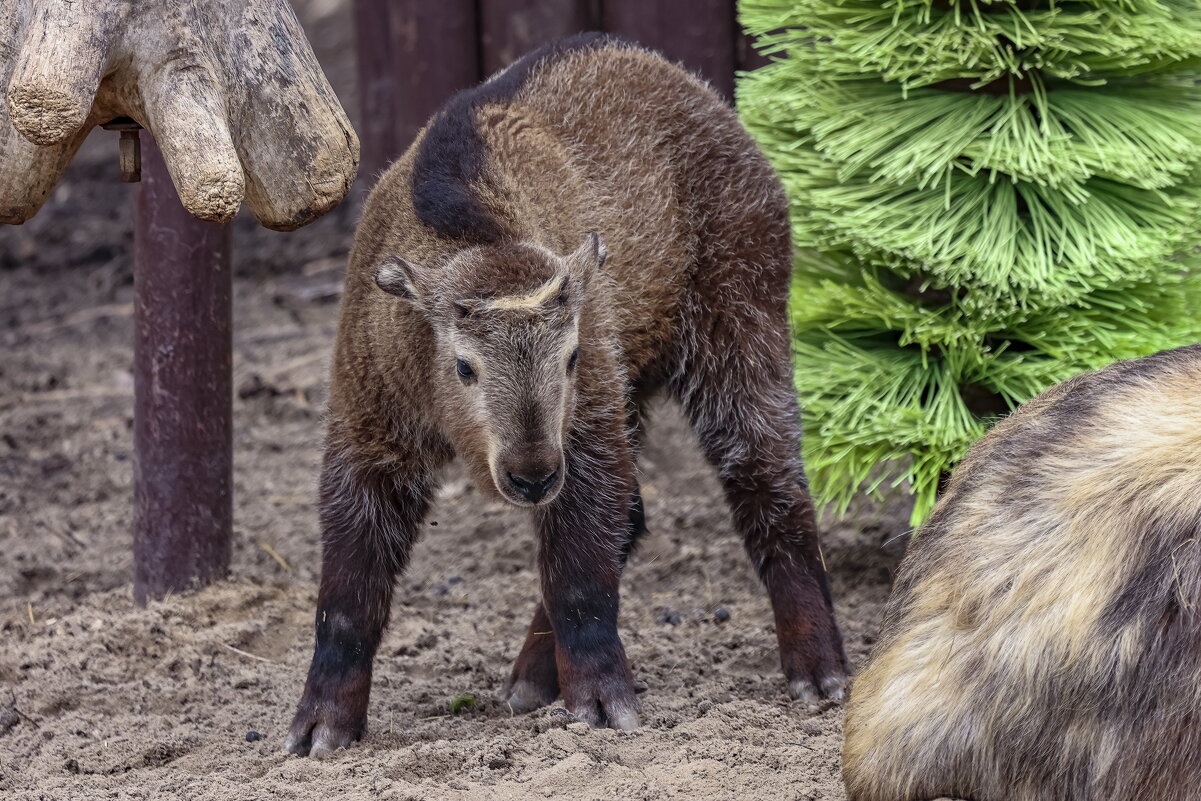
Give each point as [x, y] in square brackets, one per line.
[483, 320]
[1043, 639]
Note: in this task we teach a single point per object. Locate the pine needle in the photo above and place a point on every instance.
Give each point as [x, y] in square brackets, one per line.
[988, 199]
[274, 554]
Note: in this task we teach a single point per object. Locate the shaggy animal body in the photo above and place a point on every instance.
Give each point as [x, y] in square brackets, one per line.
[589, 227]
[1043, 638]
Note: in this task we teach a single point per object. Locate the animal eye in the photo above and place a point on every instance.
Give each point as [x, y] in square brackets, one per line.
[575, 355]
[464, 369]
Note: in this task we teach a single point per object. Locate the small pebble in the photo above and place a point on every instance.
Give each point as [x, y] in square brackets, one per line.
[640, 687]
[721, 614]
[671, 618]
[253, 736]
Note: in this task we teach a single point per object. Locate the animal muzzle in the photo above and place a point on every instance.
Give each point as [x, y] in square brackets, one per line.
[528, 482]
[534, 487]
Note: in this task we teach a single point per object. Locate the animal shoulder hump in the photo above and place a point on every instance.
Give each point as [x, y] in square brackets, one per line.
[452, 156]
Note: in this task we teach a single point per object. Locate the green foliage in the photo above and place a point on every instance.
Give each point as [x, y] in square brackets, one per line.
[990, 197]
[462, 703]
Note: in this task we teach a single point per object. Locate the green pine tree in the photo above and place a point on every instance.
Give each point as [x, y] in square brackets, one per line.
[989, 197]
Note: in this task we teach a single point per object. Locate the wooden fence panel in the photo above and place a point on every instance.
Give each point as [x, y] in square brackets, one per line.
[413, 55]
[511, 28]
[701, 34]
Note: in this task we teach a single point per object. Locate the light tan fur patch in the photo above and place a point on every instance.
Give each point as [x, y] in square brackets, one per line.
[1040, 641]
[529, 301]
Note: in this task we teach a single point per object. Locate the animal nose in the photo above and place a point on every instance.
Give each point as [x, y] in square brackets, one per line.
[533, 487]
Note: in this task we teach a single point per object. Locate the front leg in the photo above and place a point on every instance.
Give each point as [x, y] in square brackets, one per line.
[582, 536]
[534, 681]
[369, 520]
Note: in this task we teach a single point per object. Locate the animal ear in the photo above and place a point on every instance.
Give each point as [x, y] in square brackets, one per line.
[399, 277]
[588, 257]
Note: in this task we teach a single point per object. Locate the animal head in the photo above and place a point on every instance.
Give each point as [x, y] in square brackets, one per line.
[506, 323]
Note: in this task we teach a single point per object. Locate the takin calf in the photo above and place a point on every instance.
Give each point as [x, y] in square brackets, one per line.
[485, 318]
[1043, 639]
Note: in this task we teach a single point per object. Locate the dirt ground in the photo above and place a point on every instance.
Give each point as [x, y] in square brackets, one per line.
[190, 698]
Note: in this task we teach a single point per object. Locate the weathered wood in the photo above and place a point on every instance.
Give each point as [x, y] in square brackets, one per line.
[511, 28]
[413, 54]
[183, 443]
[232, 91]
[27, 172]
[700, 34]
[61, 61]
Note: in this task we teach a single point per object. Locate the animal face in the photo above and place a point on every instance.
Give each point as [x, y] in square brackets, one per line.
[506, 324]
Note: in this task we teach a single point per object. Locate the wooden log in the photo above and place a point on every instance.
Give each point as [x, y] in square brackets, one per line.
[183, 434]
[511, 28]
[700, 34]
[231, 91]
[412, 56]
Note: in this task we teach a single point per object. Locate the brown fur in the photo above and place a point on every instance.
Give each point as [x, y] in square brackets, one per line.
[480, 233]
[1043, 639]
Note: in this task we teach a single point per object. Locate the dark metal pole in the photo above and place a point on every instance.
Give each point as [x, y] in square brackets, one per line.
[183, 434]
[412, 56]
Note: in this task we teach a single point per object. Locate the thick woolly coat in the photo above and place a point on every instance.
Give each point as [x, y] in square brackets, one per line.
[1043, 638]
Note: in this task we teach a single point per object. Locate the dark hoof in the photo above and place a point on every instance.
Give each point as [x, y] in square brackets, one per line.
[524, 696]
[603, 701]
[831, 688]
[316, 735]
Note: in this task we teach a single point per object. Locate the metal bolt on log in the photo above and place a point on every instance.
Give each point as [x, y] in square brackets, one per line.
[131, 148]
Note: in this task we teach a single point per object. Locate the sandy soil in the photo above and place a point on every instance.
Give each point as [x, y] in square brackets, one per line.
[190, 697]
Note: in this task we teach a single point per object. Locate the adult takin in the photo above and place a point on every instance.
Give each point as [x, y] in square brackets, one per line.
[587, 228]
[1043, 638]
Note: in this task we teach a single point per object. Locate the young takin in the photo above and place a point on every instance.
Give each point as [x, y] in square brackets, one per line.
[588, 228]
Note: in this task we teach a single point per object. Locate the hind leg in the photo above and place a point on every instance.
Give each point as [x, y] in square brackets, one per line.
[736, 387]
[534, 681]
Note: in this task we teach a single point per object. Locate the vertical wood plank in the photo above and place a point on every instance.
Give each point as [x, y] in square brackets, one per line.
[511, 28]
[412, 56]
[748, 57]
[183, 433]
[699, 33]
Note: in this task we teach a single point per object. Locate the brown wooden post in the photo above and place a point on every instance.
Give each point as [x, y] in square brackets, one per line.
[511, 28]
[412, 56]
[183, 434]
[700, 33]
